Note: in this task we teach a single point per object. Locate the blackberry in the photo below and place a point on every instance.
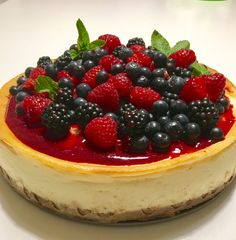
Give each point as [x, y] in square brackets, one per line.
[122, 52]
[63, 61]
[86, 112]
[56, 117]
[204, 112]
[127, 107]
[44, 61]
[64, 96]
[117, 50]
[135, 41]
[138, 144]
[169, 97]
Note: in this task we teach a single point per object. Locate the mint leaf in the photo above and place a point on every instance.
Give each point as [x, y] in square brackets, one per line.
[179, 45]
[160, 43]
[199, 69]
[83, 39]
[97, 43]
[74, 53]
[46, 84]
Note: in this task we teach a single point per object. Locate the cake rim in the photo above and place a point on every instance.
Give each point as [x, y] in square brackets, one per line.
[8, 138]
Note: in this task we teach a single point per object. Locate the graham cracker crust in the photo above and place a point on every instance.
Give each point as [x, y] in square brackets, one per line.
[88, 215]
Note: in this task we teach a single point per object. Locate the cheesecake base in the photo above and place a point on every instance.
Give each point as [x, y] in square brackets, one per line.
[113, 217]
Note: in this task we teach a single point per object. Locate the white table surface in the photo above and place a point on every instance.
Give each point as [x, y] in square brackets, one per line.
[30, 29]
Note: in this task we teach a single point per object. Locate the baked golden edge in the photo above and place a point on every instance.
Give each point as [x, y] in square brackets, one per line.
[8, 138]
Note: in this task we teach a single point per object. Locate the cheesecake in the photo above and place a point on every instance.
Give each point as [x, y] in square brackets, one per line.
[110, 133]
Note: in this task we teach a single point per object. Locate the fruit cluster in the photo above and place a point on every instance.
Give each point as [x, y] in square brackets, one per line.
[131, 92]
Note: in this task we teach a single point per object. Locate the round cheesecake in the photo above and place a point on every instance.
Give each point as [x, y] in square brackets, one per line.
[109, 193]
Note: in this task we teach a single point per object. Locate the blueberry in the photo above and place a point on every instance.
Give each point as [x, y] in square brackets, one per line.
[186, 73]
[190, 68]
[99, 53]
[146, 72]
[159, 84]
[13, 90]
[78, 71]
[216, 134]
[125, 53]
[174, 129]
[161, 142]
[102, 77]
[88, 64]
[73, 116]
[133, 69]
[19, 109]
[88, 55]
[21, 95]
[192, 133]
[181, 118]
[159, 108]
[178, 71]
[142, 81]
[175, 84]
[83, 89]
[21, 80]
[225, 103]
[117, 68]
[160, 60]
[28, 71]
[163, 120]
[220, 108]
[139, 144]
[170, 66]
[150, 52]
[112, 115]
[152, 128]
[65, 82]
[79, 102]
[160, 72]
[51, 70]
[178, 106]
[74, 47]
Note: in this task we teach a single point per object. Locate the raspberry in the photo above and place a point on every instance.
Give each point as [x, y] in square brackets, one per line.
[65, 74]
[122, 84]
[37, 72]
[144, 97]
[183, 57]
[135, 41]
[90, 76]
[194, 89]
[102, 132]
[109, 60]
[106, 96]
[34, 106]
[215, 84]
[111, 42]
[29, 85]
[140, 58]
[137, 48]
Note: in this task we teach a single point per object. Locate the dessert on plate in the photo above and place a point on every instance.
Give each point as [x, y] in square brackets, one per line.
[111, 132]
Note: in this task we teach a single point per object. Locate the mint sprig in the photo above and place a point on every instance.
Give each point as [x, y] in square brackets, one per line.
[83, 42]
[199, 69]
[179, 45]
[46, 84]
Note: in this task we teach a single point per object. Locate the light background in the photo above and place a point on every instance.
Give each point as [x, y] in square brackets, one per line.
[30, 29]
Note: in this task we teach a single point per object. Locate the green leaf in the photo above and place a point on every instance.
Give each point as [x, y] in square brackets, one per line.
[160, 43]
[96, 43]
[83, 39]
[75, 54]
[199, 69]
[179, 45]
[46, 84]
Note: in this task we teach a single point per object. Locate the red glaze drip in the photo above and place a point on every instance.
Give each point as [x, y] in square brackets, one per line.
[75, 149]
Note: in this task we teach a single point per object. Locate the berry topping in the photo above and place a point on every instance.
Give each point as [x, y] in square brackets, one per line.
[111, 42]
[144, 97]
[183, 57]
[106, 96]
[102, 132]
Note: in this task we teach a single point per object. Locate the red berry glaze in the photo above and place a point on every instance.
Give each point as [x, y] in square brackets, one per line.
[90, 76]
[106, 96]
[109, 60]
[36, 72]
[183, 57]
[143, 97]
[122, 83]
[102, 132]
[111, 42]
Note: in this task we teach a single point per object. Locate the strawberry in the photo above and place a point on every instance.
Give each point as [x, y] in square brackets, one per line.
[137, 48]
[109, 60]
[106, 96]
[183, 57]
[90, 76]
[215, 84]
[111, 42]
[194, 89]
[36, 72]
[140, 58]
[122, 84]
[143, 97]
[34, 106]
[102, 132]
